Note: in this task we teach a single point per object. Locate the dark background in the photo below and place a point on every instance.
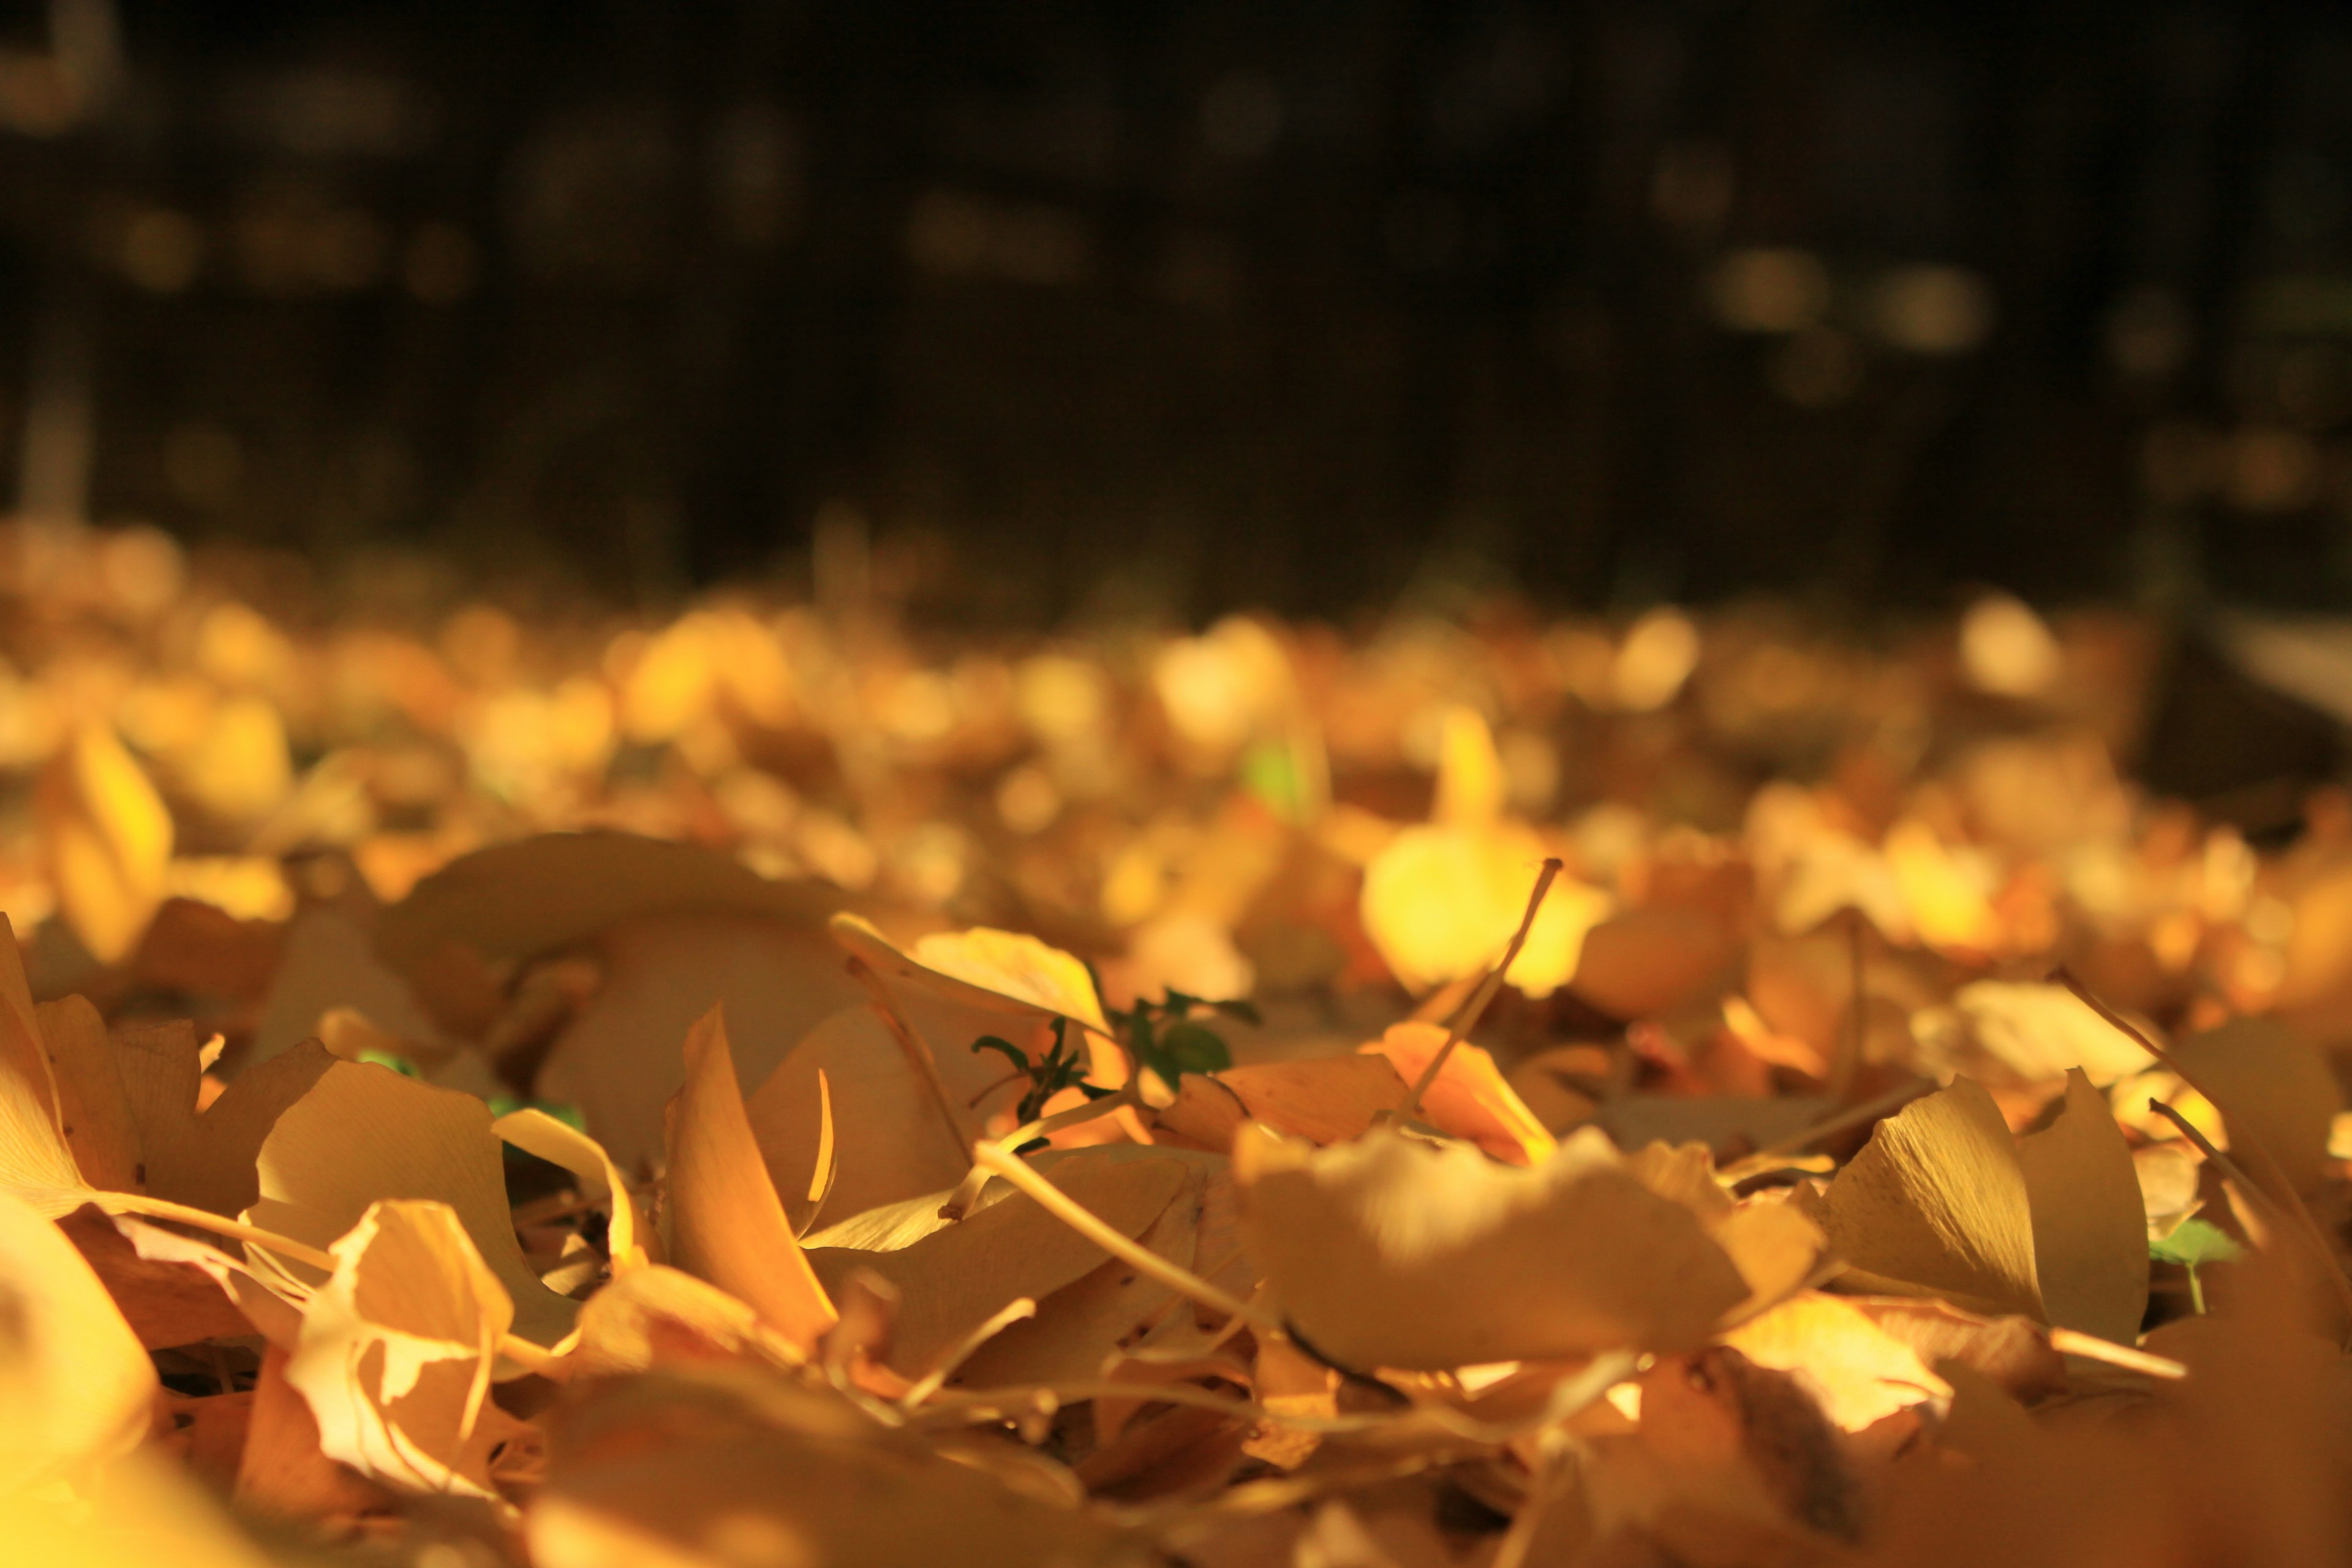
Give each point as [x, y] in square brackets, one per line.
[1146, 305]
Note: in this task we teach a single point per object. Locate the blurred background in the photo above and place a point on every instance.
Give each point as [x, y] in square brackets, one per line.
[1027, 311]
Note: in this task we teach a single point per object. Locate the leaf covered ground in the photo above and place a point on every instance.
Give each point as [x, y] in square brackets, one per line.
[772, 1087]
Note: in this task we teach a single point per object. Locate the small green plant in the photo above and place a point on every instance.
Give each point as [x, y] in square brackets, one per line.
[1063, 1066]
[1161, 1036]
[1164, 1037]
[2193, 1244]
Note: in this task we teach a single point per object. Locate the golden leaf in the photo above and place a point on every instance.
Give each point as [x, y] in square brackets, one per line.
[1391, 1252]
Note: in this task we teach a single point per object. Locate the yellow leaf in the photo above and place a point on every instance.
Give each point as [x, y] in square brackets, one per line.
[958, 1276]
[2090, 1222]
[366, 1134]
[110, 839]
[397, 1348]
[1391, 1252]
[727, 1224]
[1860, 1373]
[2271, 1088]
[996, 970]
[1936, 1204]
[534, 1132]
[1442, 903]
[656, 1314]
[1470, 1098]
[205, 1159]
[1470, 786]
[75, 1382]
[150, 1513]
[754, 1472]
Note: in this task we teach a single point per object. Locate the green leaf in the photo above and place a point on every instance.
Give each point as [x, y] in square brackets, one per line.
[2195, 1244]
[398, 1064]
[1189, 1047]
[1013, 1053]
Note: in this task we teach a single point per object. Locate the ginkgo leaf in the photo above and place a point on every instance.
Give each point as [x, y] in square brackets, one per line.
[397, 1349]
[2277, 1089]
[959, 1275]
[152, 1514]
[165, 1302]
[2090, 1225]
[2040, 1030]
[366, 1134]
[520, 899]
[981, 967]
[109, 840]
[656, 1314]
[777, 979]
[1390, 1252]
[35, 1162]
[93, 1113]
[77, 1388]
[1469, 1097]
[534, 1132]
[1858, 1372]
[1324, 1099]
[895, 1142]
[1936, 1204]
[727, 1224]
[1095, 1316]
[205, 1159]
[1442, 903]
[757, 1472]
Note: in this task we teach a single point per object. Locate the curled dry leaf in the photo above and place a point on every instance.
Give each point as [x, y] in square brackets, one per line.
[364, 1134]
[996, 970]
[1393, 1252]
[727, 1224]
[77, 1387]
[397, 1349]
[534, 1132]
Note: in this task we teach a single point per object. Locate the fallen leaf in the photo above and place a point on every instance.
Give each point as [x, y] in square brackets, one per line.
[397, 1349]
[109, 840]
[955, 1278]
[1469, 1097]
[1936, 1203]
[727, 1224]
[2090, 1225]
[364, 1135]
[1390, 1252]
[78, 1387]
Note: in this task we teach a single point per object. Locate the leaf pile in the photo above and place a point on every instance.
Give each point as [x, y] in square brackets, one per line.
[755, 1091]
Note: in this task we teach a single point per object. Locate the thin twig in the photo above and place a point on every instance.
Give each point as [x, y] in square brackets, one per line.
[2090, 1347]
[1126, 1248]
[205, 1219]
[917, 1051]
[1469, 1018]
[931, 1382]
[967, 1191]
